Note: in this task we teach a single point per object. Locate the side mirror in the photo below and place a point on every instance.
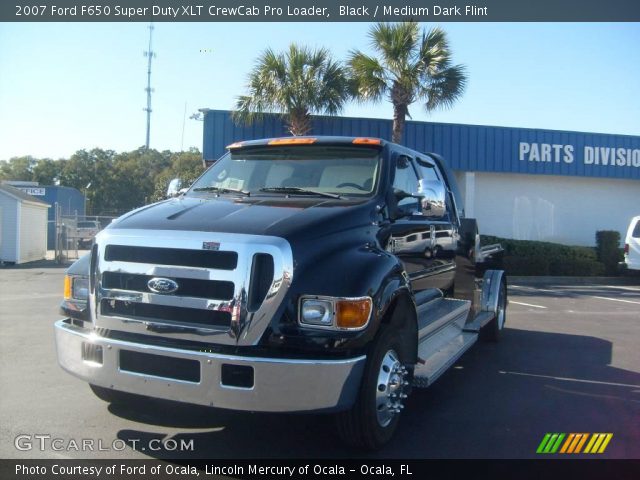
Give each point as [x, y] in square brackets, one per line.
[432, 195]
[173, 190]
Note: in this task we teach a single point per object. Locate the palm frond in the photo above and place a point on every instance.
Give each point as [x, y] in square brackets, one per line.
[396, 43]
[368, 77]
[296, 83]
[434, 54]
[444, 88]
[409, 65]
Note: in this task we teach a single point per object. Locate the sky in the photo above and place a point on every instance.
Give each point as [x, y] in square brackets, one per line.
[71, 86]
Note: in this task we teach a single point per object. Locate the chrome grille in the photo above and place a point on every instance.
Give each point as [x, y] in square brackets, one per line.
[225, 296]
[180, 316]
[188, 287]
[172, 256]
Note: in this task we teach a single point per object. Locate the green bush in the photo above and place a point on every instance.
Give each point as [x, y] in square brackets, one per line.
[527, 257]
[608, 250]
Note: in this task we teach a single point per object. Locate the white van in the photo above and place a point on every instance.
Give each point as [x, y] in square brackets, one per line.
[632, 245]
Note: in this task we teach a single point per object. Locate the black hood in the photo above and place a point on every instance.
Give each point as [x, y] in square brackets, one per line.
[276, 216]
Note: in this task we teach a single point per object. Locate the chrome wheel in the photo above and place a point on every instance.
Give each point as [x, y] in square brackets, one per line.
[390, 392]
[500, 313]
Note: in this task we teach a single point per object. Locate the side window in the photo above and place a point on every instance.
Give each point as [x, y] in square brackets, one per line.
[636, 230]
[405, 177]
[430, 174]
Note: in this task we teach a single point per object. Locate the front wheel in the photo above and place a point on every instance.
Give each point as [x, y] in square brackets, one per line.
[373, 419]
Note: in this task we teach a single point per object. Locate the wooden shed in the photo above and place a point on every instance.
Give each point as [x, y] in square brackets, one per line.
[23, 226]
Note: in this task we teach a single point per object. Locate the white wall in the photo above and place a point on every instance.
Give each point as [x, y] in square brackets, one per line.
[557, 209]
[8, 231]
[33, 232]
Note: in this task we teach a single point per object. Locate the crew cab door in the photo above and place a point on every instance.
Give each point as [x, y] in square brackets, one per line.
[425, 245]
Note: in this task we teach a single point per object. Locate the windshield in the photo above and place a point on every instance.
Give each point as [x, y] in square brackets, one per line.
[87, 225]
[297, 170]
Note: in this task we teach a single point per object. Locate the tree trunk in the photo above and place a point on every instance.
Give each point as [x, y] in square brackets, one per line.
[299, 122]
[399, 115]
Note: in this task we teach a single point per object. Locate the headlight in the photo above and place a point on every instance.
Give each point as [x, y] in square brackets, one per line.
[335, 313]
[76, 287]
[317, 312]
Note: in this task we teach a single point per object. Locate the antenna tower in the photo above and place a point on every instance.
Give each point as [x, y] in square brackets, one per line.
[150, 54]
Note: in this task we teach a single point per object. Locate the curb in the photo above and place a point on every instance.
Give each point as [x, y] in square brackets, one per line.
[36, 264]
[550, 280]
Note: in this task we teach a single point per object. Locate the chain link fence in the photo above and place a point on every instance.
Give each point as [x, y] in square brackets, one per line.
[74, 233]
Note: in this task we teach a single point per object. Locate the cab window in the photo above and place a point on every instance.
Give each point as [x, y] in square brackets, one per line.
[406, 178]
[429, 173]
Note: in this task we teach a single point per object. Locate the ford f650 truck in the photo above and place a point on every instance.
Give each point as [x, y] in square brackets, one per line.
[315, 274]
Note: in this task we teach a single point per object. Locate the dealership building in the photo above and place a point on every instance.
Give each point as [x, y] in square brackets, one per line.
[520, 183]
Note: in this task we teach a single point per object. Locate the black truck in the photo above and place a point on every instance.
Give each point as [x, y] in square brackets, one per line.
[316, 274]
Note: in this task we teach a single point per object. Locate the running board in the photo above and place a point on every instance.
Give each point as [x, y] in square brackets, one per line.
[439, 351]
[439, 313]
[480, 321]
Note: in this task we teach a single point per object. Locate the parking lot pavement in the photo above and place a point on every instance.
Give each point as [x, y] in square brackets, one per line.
[568, 362]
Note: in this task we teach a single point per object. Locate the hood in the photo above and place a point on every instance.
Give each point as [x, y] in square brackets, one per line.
[277, 216]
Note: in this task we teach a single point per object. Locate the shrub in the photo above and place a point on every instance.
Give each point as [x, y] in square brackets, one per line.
[527, 257]
[608, 250]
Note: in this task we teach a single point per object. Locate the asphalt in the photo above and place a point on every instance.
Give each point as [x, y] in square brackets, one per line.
[567, 362]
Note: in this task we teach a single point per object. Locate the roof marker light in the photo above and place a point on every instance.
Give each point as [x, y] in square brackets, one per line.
[367, 141]
[293, 141]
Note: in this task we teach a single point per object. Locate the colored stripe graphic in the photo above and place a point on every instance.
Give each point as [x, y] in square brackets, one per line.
[567, 443]
[550, 443]
[543, 443]
[556, 445]
[605, 442]
[581, 442]
[597, 443]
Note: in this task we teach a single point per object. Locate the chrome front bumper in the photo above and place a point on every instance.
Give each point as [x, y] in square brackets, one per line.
[280, 385]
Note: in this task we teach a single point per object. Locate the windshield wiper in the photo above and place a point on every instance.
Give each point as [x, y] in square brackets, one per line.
[298, 190]
[222, 190]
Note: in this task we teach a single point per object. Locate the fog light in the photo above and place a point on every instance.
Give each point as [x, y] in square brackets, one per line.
[353, 313]
[317, 312]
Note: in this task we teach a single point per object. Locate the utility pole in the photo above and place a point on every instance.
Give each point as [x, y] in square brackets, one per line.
[184, 121]
[150, 55]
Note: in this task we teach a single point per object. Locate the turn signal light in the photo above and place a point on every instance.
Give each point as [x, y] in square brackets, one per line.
[354, 313]
[293, 141]
[67, 287]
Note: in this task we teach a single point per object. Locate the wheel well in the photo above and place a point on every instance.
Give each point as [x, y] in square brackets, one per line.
[401, 314]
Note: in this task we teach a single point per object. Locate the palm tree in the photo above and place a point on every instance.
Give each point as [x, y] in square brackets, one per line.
[411, 67]
[294, 84]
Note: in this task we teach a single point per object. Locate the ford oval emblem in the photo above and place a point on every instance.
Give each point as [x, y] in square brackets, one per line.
[162, 285]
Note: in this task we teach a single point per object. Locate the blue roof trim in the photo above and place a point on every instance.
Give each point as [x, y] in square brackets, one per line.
[465, 147]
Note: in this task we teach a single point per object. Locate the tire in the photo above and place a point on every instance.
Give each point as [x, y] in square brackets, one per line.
[112, 396]
[491, 332]
[450, 292]
[370, 423]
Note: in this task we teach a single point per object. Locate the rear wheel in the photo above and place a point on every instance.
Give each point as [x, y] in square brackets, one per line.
[386, 383]
[491, 331]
